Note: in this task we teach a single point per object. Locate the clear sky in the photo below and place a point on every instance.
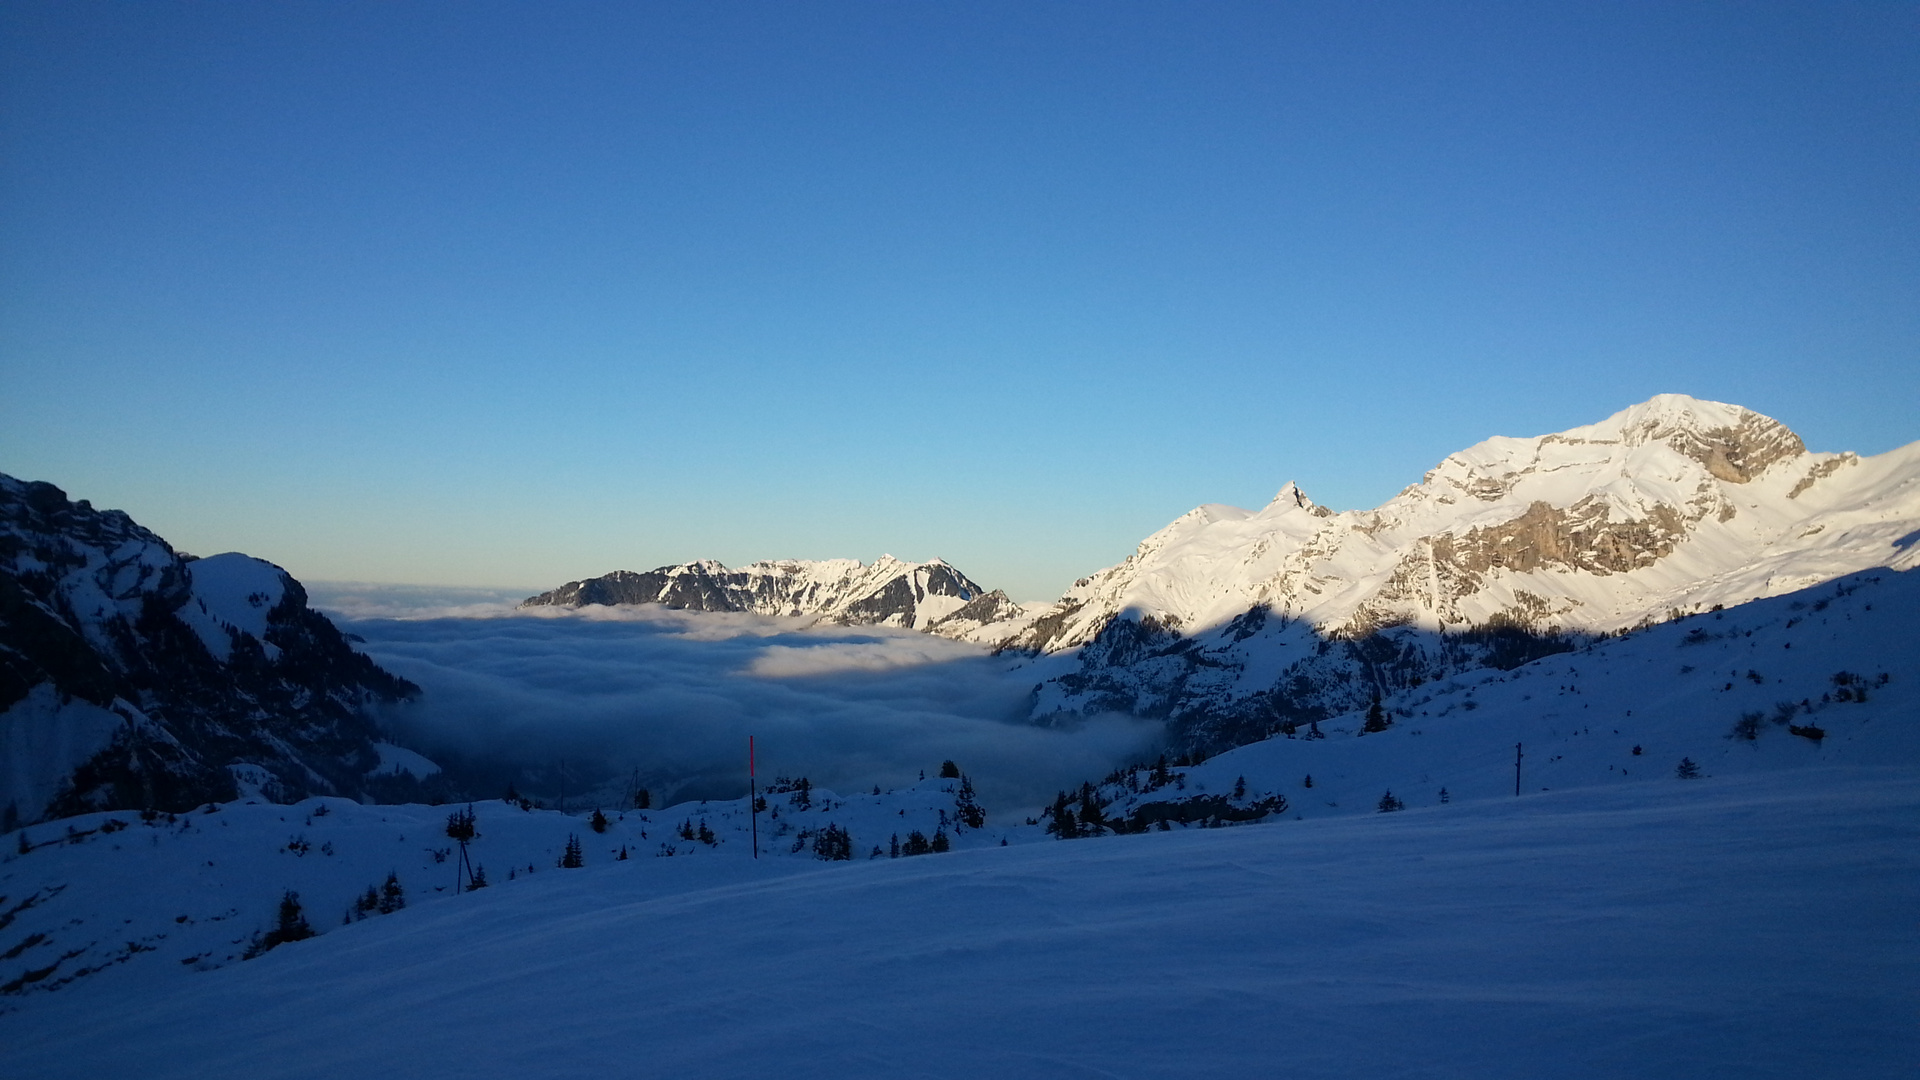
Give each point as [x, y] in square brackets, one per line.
[505, 295]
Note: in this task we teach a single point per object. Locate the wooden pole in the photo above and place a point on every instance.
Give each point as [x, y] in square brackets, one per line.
[1517, 755]
[753, 799]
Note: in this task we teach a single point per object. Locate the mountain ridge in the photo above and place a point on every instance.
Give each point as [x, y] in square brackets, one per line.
[135, 676]
[932, 596]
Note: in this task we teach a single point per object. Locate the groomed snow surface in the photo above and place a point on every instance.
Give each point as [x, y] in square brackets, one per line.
[1753, 926]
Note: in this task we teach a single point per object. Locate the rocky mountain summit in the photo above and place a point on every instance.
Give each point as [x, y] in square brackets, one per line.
[135, 676]
[1235, 624]
[930, 596]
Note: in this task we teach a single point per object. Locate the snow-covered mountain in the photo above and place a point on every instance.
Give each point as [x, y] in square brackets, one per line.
[135, 676]
[930, 596]
[1236, 623]
[1616, 895]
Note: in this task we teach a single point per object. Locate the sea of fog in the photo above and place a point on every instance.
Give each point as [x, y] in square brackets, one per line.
[580, 702]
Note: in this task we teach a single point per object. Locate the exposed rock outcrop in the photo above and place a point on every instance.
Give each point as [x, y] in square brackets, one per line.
[133, 676]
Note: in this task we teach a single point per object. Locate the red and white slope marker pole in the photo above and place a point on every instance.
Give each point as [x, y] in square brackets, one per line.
[753, 799]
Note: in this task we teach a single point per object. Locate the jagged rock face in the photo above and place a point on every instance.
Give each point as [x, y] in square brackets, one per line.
[134, 676]
[930, 596]
[1230, 622]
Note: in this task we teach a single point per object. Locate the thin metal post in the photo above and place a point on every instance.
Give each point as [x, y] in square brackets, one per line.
[753, 799]
[1517, 755]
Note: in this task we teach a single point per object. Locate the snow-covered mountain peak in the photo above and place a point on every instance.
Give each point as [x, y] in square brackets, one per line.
[1672, 503]
[931, 596]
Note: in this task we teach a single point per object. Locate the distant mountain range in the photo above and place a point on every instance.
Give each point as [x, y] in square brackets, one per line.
[1235, 624]
[929, 596]
[132, 675]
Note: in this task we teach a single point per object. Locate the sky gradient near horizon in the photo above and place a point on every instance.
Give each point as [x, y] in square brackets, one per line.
[506, 295]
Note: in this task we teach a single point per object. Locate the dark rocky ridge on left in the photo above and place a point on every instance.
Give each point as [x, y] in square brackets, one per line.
[124, 687]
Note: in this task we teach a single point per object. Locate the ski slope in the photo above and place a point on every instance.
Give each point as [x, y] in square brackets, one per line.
[1750, 926]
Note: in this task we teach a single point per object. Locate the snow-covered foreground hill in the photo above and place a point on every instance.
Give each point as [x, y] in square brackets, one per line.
[1746, 926]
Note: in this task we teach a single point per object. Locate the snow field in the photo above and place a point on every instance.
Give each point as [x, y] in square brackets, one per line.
[1736, 926]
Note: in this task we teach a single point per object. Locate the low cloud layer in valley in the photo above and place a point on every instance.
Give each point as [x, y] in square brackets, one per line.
[510, 695]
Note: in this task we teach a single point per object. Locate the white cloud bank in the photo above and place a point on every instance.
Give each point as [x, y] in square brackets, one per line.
[675, 695]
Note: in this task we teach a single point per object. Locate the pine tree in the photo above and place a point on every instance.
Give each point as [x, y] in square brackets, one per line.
[571, 859]
[598, 822]
[893, 849]
[940, 842]
[949, 771]
[967, 808]
[833, 844]
[643, 799]
[479, 879]
[1240, 788]
[290, 926]
[462, 825]
[803, 793]
[1444, 797]
[1687, 770]
[1308, 782]
[1388, 804]
[1376, 717]
[1060, 818]
[392, 896]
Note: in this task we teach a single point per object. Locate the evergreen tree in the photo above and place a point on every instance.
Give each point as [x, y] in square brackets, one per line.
[290, 926]
[26, 845]
[1389, 804]
[833, 844]
[917, 844]
[479, 879]
[1687, 770]
[392, 896]
[1444, 797]
[706, 834]
[598, 822]
[893, 849]
[949, 771]
[1308, 782]
[803, 793]
[643, 799]
[1061, 821]
[967, 808]
[571, 858]
[940, 842]
[462, 825]
[1376, 717]
[1240, 788]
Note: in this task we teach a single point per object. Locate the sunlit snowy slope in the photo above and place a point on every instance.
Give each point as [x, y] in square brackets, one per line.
[1233, 624]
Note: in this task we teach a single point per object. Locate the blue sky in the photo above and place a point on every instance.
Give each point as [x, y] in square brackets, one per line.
[510, 294]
